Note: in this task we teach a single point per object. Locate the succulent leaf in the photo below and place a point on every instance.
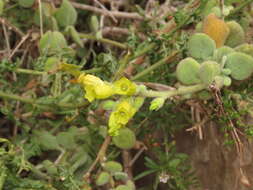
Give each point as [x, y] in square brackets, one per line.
[102, 179]
[187, 71]
[208, 70]
[52, 43]
[236, 35]
[221, 52]
[120, 176]
[112, 167]
[201, 46]
[245, 48]
[240, 64]
[125, 140]
[66, 15]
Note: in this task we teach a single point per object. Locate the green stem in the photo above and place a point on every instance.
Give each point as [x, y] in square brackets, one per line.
[241, 6]
[16, 97]
[29, 71]
[171, 93]
[122, 65]
[155, 66]
[93, 70]
[33, 72]
[143, 51]
[34, 101]
[104, 40]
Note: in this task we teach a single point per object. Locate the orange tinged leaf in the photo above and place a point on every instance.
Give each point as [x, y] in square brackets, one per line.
[216, 28]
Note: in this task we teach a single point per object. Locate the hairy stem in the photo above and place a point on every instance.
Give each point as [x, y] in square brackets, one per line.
[171, 93]
[34, 101]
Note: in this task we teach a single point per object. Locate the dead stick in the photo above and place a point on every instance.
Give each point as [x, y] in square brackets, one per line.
[100, 156]
[118, 14]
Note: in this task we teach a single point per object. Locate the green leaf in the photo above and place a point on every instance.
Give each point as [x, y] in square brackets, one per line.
[143, 174]
[46, 140]
[174, 163]
[67, 139]
[52, 43]
[75, 36]
[66, 15]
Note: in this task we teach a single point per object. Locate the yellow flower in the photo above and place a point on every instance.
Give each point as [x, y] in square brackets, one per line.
[120, 116]
[124, 86]
[95, 88]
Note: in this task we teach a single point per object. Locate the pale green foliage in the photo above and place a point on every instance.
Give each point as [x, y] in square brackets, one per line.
[94, 23]
[52, 43]
[51, 64]
[236, 35]
[245, 48]
[125, 139]
[66, 15]
[112, 166]
[120, 176]
[201, 46]
[187, 71]
[221, 52]
[103, 178]
[240, 64]
[208, 70]
[75, 36]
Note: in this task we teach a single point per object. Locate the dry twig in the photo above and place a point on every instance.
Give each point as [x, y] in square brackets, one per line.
[11, 27]
[117, 14]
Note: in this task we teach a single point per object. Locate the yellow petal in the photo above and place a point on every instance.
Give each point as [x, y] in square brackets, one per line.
[103, 91]
[92, 80]
[89, 93]
[124, 86]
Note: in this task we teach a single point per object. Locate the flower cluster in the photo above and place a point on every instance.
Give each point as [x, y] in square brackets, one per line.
[123, 112]
[96, 88]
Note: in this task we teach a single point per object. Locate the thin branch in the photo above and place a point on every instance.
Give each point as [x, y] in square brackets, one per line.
[35, 101]
[41, 18]
[7, 40]
[11, 26]
[100, 156]
[34, 72]
[108, 12]
[104, 40]
[238, 8]
[117, 14]
[115, 31]
[156, 65]
[29, 71]
[24, 38]
[136, 156]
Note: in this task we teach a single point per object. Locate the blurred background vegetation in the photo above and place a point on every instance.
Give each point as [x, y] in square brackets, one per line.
[51, 136]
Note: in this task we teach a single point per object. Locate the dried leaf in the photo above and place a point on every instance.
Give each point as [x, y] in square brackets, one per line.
[216, 28]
